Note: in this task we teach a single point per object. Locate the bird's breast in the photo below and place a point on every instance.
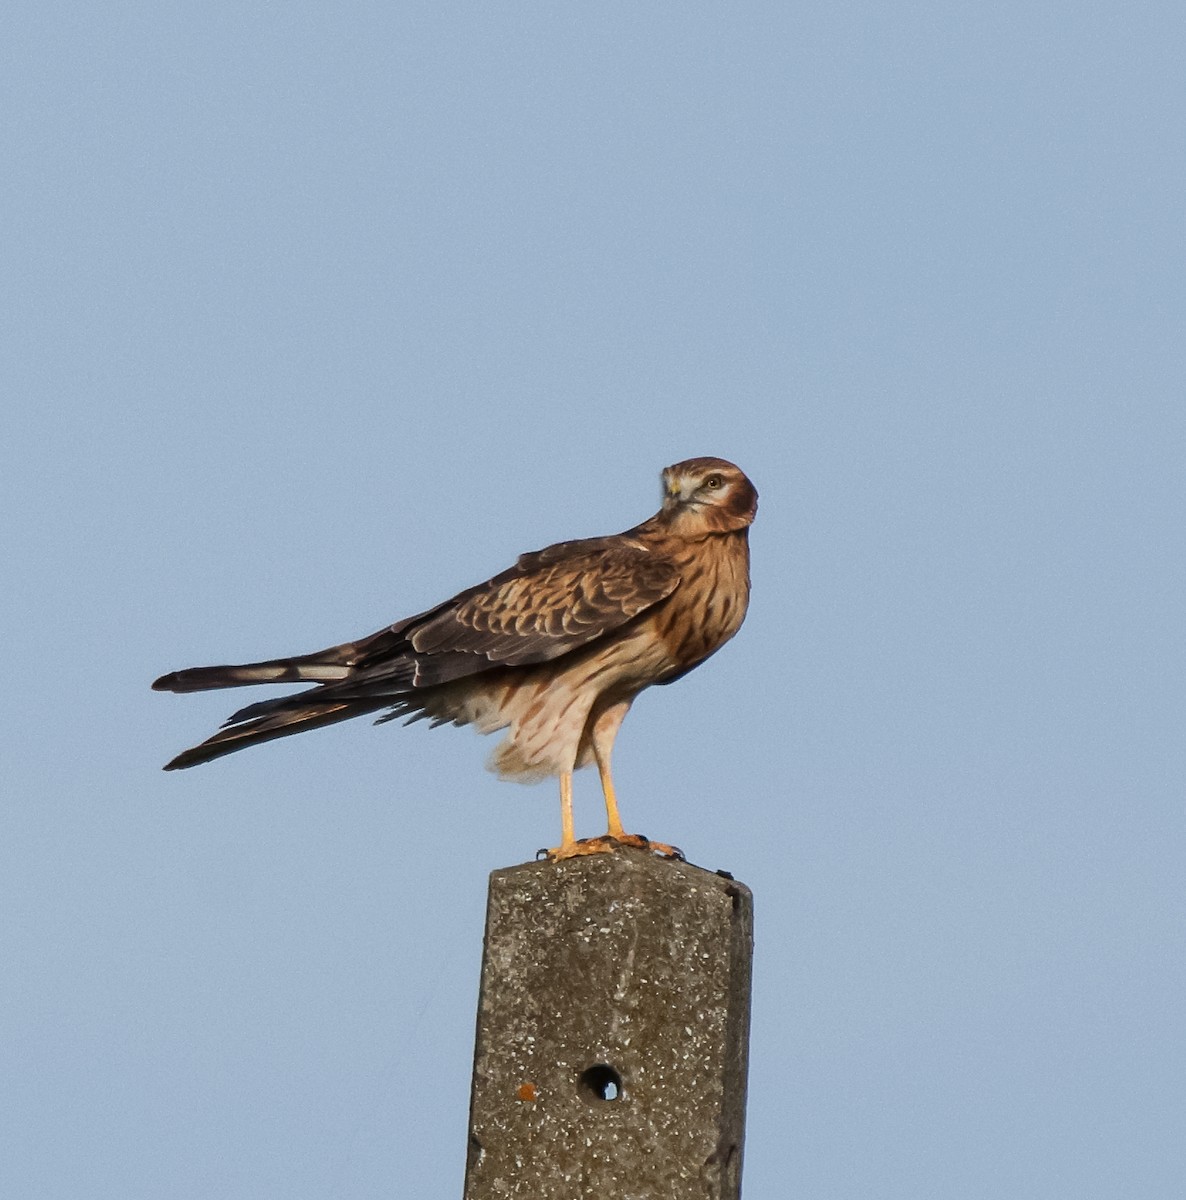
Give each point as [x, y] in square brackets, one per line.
[709, 605]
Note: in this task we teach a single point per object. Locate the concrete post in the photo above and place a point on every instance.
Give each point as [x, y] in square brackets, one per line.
[613, 1027]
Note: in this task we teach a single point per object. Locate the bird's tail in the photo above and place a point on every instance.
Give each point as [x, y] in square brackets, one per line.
[271, 719]
[323, 666]
[336, 699]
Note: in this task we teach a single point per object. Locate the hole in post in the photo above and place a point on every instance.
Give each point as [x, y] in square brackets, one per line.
[601, 1082]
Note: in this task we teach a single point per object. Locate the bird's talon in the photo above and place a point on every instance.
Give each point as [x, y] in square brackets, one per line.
[607, 843]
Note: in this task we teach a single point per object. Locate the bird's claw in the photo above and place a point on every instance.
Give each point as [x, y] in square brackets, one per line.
[608, 843]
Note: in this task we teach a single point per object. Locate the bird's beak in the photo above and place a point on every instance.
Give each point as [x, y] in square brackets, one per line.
[672, 491]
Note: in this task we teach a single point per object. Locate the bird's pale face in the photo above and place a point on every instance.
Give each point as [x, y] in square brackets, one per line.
[709, 495]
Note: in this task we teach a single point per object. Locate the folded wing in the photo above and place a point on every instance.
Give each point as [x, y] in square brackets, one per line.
[552, 602]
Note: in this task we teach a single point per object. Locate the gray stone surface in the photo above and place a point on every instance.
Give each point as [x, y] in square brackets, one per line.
[612, 1036]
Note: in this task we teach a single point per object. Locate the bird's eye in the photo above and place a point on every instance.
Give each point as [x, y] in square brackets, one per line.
[713, 481]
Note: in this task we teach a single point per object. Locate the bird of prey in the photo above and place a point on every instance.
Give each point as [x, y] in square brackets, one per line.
[555, 648]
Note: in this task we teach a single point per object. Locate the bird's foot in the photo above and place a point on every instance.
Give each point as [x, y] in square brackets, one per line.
[608, 843]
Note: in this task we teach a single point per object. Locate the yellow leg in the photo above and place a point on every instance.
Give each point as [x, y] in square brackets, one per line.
[569, 846]
[604, 729]
[611, 799]
[604, 732]
[567, 837]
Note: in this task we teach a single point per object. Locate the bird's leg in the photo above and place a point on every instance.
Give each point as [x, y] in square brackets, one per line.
[611, 799]
[567, 837]
[569, 846]
[604, 729]
[603, 742]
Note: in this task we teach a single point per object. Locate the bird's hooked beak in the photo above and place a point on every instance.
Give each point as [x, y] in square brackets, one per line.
[675, 490]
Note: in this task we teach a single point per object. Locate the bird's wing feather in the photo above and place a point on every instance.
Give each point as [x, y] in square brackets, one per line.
[552, 601]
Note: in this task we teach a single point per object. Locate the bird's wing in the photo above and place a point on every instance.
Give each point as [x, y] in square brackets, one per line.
[550, 602]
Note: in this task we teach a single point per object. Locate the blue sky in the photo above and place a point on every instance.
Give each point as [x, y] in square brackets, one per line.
[314, 315]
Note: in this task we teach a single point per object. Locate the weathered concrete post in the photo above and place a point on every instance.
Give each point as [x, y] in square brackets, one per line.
[613, 1027]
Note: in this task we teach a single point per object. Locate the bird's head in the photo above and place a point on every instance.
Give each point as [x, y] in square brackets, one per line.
[708, 495]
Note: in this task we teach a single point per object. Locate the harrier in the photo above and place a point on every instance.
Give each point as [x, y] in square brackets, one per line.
[554, 649]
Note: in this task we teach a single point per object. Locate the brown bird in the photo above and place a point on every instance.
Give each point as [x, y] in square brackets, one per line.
[555, 648]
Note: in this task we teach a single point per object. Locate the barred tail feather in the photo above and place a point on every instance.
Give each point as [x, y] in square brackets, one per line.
[310, 668]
